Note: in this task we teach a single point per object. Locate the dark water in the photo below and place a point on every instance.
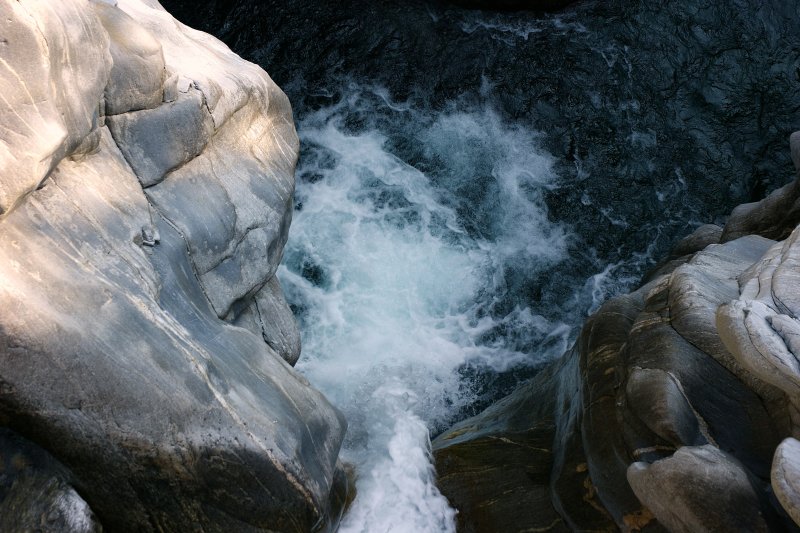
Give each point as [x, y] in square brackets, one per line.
[659, 117]
[472, 184]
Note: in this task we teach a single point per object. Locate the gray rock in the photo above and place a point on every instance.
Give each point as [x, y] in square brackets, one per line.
[154, 345]
[530, 448]
[659, 401]
[244, 176]
[759, 327]
[150, 235]
[137, 75]
[786, 278]
[36, 492]
[746, 328]
[495, 454]
[786, 477]
[699, 488]
[236, 240]
[699, 287]
[50, 106]
[761, 330]
[663, 415]
[113, 355]
[698, 240]
[270, 316]
[39, 503]
[773, 217]
[682, 252]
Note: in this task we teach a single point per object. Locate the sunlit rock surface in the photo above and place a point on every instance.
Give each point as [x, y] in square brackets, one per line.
[676, 409]
[146, 176]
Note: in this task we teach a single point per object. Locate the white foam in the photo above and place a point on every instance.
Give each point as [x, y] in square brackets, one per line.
[404, 293]
[510, 32]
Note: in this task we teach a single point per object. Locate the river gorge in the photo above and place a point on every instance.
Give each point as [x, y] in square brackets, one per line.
[472, 184]
[471, 187]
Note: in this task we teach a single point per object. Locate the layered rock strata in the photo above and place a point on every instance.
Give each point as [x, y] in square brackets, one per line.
[676, 409]
[146, 181]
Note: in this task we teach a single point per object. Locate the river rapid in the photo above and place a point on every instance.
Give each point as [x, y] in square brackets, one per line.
[473, 184]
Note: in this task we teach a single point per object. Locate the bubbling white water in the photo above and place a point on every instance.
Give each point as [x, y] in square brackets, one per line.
[397, 275]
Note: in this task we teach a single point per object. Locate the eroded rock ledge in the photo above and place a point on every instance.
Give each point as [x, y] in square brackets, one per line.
[677, 408]
[146, 176]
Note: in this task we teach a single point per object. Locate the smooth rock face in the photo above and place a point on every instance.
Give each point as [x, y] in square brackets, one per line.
[151, 154]
[137, 74]
[676, 489]
[146, 184]
[270, 316]
[499, 453]
[672, 404]
[657, 398]
[42, 125]
[786, 477]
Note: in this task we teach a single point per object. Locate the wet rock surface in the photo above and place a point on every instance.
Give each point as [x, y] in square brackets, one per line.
[146, 184]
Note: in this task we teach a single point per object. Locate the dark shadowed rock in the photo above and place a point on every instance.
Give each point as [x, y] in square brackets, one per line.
[36, 492]
[657, 399]
[773, 217]
[538, 429]
[501, 453]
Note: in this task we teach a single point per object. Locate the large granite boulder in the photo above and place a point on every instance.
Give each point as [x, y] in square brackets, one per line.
[676, 409]
[146, 181]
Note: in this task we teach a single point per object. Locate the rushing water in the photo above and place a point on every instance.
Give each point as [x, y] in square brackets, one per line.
[472, 184]
[399, 273]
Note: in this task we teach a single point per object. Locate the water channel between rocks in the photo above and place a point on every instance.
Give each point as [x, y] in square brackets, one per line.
[472, 184]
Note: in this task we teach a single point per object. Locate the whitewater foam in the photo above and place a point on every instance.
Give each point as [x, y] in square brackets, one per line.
[398, 264]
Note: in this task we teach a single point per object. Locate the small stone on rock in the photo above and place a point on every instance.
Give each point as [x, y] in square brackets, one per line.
[150, 236]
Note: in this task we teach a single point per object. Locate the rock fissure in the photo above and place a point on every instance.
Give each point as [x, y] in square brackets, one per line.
[206, 106]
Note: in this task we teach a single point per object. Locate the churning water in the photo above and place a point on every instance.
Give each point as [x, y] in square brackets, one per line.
[429, 276]
[424, 264]
[410, 230]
